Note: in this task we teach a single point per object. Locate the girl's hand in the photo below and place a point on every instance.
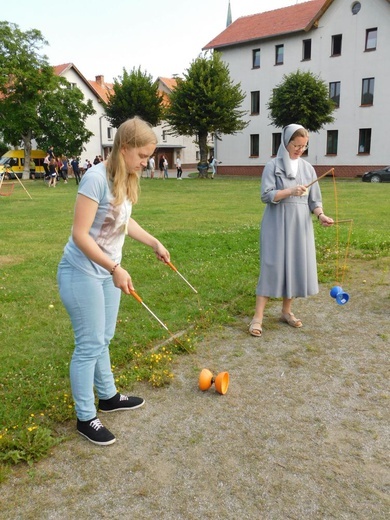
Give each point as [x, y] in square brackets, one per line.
[122, 280]
[161, 253]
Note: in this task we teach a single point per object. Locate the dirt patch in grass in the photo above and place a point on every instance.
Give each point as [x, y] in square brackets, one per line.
[10, 260]
[302, 433]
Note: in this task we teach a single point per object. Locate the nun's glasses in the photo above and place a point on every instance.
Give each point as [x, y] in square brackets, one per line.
[300, 146]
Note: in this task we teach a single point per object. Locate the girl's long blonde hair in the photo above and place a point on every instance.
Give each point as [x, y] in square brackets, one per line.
[133, 133]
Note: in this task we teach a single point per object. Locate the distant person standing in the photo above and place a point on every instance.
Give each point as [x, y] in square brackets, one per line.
[147, 168]
[179, 169]
[76, 169]
[53, 173]
[213, 163]
[64, 169]
[152, 165]
[32, 169]
[165, 165]
[84, 167]
[161, 167]
[50, 152]
[46, 162]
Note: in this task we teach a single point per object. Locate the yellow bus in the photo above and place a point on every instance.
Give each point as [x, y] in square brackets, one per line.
[12, 163]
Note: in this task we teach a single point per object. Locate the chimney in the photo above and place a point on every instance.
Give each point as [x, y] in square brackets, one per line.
[100, 80]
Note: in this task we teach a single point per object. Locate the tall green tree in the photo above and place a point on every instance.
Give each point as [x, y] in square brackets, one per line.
[206, 101]
[33, 100]
[63, 114]
[135, 94]
[303, 98]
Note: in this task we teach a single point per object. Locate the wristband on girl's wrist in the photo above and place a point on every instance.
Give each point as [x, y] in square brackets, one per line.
[319, 214]
[113, 269]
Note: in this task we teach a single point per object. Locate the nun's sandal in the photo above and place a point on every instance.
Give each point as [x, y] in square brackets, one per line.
[290, 319]
[255, 328]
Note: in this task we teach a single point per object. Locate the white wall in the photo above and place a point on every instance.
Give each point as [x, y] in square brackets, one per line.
[350, 68]
[96, 123]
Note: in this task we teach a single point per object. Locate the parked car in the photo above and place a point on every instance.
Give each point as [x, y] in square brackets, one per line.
[377, 175]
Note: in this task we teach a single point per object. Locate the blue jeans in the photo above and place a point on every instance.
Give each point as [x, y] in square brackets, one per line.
[92, 304]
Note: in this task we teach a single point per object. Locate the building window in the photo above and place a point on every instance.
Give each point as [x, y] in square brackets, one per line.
[109, 133]
[279, 54]
[334, 92]
[255, 103]
[336, 44]
[368, 91]
[256, 59]
[364, 140]
[164, 136]
[371, 39]
[276, 140]
[255, 145]
[306, 50]
[332, 138]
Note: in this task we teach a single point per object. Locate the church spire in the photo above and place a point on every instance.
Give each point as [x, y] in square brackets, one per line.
[229, 16]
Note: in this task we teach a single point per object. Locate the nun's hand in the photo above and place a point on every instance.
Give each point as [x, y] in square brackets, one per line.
[298, 191]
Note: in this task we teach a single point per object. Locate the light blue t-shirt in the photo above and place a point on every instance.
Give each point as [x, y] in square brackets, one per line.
[109, 226]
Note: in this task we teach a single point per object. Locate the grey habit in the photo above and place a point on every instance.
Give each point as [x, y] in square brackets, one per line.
[288, 266]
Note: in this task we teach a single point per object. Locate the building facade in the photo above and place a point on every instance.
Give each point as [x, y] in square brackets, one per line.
[173, 147]
[97, 91]
[103, 133]
[345, 43]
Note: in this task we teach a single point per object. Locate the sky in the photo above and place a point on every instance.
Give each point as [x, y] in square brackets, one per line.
[102, 37]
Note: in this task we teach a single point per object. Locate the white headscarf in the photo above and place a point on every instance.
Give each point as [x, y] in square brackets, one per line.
[283, 153]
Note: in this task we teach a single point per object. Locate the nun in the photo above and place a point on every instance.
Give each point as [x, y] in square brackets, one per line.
[288, 267]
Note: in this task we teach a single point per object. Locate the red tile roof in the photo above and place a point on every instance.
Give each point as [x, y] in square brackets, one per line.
[170, 83]
[101, 89]
[295, 18]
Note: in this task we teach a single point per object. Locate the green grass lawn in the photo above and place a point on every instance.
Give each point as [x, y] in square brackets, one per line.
[211, 229]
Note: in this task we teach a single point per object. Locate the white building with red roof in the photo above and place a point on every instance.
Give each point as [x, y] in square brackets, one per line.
[103, 133]
[346, 44]
[97, 91]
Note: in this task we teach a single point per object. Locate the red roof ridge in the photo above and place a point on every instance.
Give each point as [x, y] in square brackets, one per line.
[170, 83]
[269, 24]
[101, 89]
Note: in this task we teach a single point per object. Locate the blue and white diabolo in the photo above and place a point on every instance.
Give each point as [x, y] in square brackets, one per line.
[339, 295]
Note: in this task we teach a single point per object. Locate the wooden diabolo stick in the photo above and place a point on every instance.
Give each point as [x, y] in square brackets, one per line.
[320, 177]
[343, 220]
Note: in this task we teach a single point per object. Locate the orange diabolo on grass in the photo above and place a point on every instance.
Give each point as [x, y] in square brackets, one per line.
[221, 382]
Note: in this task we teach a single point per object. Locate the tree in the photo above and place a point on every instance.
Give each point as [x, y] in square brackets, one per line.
[135, 94]
[33, 100]
[302, 97]
[206, 101]
[62, 119]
